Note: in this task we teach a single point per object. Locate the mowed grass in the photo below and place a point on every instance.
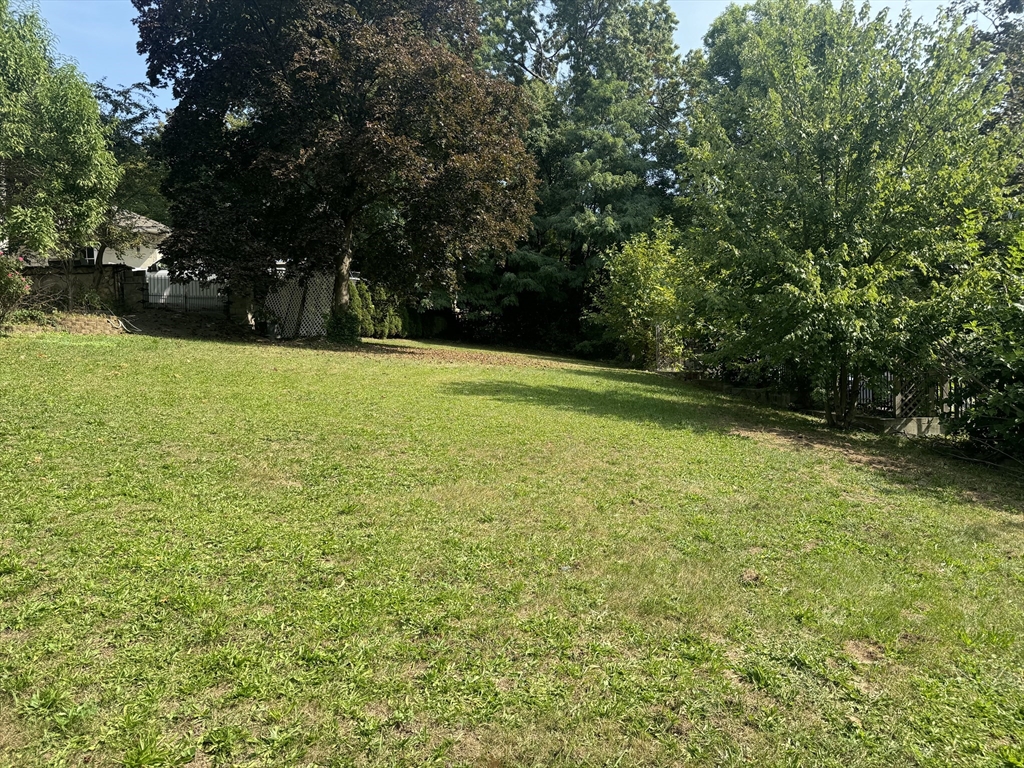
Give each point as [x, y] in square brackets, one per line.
[217, 554]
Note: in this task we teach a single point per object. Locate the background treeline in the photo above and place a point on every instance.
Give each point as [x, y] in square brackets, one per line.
[847, 215]
[605, 87]
[820, 198]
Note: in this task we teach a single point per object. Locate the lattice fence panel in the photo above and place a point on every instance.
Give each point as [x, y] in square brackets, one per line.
[918, 395]
[319, 298]
[301, 307]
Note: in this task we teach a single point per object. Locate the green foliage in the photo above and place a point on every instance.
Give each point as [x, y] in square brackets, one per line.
[32, 316]
[361, 307]
[837, 174]
[55, 172]
[133, 125]
[982, 349]
[379, 316]
[335, 136]
[14, 286]
[604, 81]
[1003, 29]
[638, 303]
[389, 319]
[344, 326]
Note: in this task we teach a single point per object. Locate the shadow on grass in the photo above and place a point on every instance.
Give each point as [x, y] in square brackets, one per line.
[650, 399]
[166, 323]
[661, 407]
[670, 404]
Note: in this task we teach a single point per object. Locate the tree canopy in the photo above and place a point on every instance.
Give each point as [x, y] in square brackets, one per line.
[604, 80]
[132, 123]
[55, 171]
[324, 133]
[838, 170]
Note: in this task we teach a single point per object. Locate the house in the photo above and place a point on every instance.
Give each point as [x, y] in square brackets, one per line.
[86, 278]
[144, 256]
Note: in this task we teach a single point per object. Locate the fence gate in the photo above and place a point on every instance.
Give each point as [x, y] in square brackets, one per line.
[188, 297]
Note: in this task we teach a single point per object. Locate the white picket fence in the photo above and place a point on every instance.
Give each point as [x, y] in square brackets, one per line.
[187, 297]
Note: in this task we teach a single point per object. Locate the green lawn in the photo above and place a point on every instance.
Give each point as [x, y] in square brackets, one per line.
[245, 554]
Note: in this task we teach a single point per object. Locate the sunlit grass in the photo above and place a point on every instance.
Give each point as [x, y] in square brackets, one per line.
[257, 555]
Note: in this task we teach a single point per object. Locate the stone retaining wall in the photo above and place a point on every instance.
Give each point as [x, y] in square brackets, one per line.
[101, 325]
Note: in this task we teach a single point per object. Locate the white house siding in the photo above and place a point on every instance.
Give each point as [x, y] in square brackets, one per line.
[138, 258]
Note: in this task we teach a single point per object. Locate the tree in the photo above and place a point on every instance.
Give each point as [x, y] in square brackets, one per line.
[133, 123]
[604, 78]
[1004, 33]
[55, 171]
[837, 172]
[324, 133]
[638, 303]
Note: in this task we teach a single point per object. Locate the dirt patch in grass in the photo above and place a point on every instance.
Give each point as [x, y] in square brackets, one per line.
[816, 441]
[12, 737]
[443, 355]
[864, 651]
[750, 578]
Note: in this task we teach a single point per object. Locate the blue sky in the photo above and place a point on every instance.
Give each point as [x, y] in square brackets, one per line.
[100, 37]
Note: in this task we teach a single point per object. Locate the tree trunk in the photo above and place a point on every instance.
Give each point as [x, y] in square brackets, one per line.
[844, 394]
[851, 405]
[342, 266]
[842, 401]
[99, 267]
[69, 280]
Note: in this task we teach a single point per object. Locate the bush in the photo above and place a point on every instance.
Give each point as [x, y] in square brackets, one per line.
[31, 316]
[638, 304]
[412, 323]
[14, 286]
[388, 319]
[343, 327]
[372, 314]
[362, 307]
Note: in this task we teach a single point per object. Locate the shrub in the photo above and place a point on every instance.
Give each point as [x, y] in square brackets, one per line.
[372, 314]
[388, 321]
[412, 323]
[362, 307]
[343, 327]
[14, 286]
[31, 316]
[638, 304]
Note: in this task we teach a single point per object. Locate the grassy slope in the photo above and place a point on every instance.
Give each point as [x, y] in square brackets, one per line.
[271, 556]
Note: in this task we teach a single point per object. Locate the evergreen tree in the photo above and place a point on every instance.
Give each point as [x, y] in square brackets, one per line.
[604, 79]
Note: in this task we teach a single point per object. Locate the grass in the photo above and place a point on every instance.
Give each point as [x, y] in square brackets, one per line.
[232, 554]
